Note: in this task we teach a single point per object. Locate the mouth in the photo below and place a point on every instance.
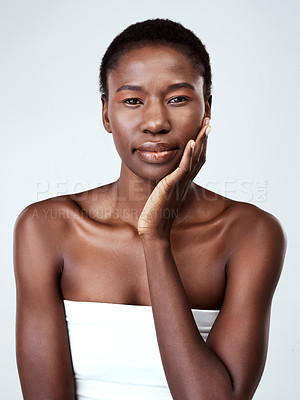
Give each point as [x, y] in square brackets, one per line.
[156, 152]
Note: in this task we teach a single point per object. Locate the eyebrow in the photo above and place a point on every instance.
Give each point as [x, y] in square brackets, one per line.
[174, 86]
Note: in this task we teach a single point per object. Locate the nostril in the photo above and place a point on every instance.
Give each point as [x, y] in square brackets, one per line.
[157, 123]
[155, 132]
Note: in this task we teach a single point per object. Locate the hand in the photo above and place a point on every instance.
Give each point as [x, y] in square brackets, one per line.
[163, 204]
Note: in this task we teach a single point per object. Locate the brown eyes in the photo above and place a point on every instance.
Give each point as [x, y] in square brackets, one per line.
[132, 102]
[136, 102]
[178, 99]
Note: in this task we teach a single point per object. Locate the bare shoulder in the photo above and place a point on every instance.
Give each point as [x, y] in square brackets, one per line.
[258, 250]
[47, 213]
[250, 232]
[43, 225]
[39, 235]
[241, 218]
[53, 218]
[251, 221]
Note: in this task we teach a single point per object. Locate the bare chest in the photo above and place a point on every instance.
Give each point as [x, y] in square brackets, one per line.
[108, 265]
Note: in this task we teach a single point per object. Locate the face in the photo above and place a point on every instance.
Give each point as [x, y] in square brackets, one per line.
[155, 103]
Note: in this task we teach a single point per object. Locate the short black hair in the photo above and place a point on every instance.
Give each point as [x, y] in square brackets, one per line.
[157, 32]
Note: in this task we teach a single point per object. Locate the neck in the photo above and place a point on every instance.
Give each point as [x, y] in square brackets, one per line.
[131, 192]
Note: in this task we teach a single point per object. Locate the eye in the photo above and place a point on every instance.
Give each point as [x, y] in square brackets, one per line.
[178, 99]
[132, 102]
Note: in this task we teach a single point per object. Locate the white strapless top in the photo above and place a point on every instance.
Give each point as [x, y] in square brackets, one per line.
[115, 352]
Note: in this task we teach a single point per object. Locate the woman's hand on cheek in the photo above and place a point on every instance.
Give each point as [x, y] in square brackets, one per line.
[163, 204]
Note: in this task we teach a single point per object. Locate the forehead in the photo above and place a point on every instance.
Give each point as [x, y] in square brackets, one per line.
[154, 65]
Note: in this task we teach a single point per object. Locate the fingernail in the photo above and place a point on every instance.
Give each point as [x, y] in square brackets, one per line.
[192, 144]
[208, 129]
[207, 121]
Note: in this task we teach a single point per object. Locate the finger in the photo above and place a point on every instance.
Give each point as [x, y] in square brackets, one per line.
[204, 130]
[201, 160]
[200, 140]
[186, 159]
[191, 157]
[184, 167]
[205, 124]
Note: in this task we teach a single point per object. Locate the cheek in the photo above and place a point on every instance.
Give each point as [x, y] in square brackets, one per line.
[123, 132]
[121, 117]
[188, 122]
[121, 143]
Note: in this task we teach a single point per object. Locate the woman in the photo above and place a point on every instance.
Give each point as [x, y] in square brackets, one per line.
[208, 266]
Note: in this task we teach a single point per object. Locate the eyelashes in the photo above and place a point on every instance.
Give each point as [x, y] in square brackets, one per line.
[182, 99]
[134, 101]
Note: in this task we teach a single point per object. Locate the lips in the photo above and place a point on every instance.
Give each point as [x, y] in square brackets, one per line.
[156, 146]
[156, 152]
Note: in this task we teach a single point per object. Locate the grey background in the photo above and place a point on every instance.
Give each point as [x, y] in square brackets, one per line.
[53, 142]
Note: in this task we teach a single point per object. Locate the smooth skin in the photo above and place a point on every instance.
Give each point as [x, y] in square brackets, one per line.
[116, 244]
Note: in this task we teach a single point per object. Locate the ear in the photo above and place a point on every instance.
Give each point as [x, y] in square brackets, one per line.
[208, 103]
[105, 117]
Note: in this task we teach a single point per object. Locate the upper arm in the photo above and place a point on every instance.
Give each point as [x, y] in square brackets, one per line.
[42, 346]
[240, 334]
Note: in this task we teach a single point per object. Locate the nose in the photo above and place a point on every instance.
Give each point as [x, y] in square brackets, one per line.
[155, 118]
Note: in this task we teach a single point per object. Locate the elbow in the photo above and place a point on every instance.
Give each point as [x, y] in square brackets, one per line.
[211, 391]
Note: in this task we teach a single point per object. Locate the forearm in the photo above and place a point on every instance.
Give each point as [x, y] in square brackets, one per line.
[192, 370]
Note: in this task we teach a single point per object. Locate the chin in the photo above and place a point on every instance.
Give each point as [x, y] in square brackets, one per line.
[153, 172]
